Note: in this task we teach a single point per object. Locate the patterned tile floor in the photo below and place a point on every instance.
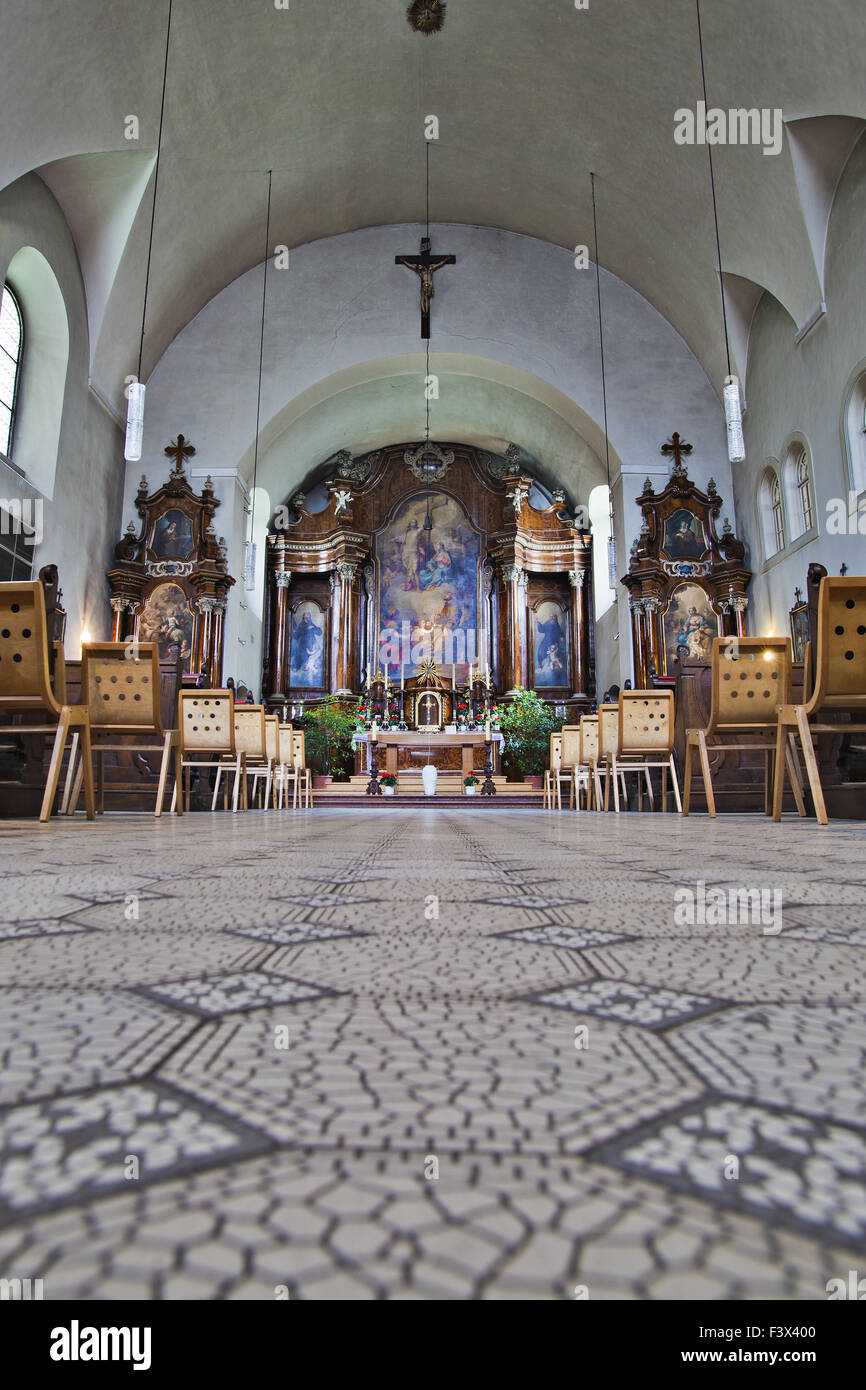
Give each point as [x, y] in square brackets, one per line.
[432, 1054]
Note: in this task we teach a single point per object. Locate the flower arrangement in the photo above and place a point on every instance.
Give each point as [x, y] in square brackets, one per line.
[471, 781]
[388, 780]
[362, 714]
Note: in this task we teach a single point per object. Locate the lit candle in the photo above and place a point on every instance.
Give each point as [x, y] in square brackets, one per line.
[368, 677]
[453, 677]
[487, 728]
[374, 737]
[402, 675]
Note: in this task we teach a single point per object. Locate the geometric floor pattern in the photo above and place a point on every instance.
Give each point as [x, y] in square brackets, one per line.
[451, 1054]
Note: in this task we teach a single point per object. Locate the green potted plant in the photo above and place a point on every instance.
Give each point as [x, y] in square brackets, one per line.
[388, 783]
[471, 784]
[329, 728]
[527, 723]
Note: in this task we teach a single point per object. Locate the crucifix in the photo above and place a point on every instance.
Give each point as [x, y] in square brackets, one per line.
[179, 451]
[425, 267]
[677, 448]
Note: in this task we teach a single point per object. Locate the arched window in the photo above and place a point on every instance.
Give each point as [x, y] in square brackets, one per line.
[772, 514]
[855, 432]
[11, 352]
[799, 500]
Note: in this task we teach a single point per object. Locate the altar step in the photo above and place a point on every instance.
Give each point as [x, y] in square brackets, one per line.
[449, 792]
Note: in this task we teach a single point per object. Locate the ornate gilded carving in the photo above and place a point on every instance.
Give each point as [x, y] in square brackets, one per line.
[426, 16]
[428, 463]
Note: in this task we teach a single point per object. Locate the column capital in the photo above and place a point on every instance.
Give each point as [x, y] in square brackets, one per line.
[512, 574]
[283, 578]
[577, 578]
[206, 603]
[347, 570]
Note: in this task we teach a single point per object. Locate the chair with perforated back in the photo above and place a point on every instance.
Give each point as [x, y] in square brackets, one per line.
[608, 742]
[206, 738]
[303, 795]
[555, 758]
[588, 758]
[840, 685]
[284, 768]
[120, 682]
[26, 689]
[751, 678]
[251, 739]
[645, 740]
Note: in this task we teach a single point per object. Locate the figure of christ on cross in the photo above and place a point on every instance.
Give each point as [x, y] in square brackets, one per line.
[425, 267]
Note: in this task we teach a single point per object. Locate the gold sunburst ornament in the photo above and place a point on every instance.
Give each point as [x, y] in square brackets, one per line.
[426, 16]
[429, 672]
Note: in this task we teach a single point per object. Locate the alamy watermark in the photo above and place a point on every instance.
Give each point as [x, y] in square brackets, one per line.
[22, 518]
[729, 907]
[738, 125]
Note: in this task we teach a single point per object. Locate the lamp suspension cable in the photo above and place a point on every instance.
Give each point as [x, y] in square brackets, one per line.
[428, 520]
[136, 389]
[731, 393]
[611, 544]
[250, 557]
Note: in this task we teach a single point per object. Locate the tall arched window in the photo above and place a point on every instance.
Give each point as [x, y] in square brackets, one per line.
[772, 514]
[799, 497]
[855, 434]
[11, 352]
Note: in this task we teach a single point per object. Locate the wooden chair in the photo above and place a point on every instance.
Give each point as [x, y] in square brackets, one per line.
[251, 744]
[840, 686]
[751, 678]
[120, 682]
[645, 739]
[555, 757]
[284, 768]
[608, 742]
[26, 688]
[303, 777]
[206, 738]
[588, 759]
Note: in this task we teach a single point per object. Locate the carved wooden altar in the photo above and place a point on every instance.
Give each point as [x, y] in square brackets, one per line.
[686, 583]
[329, 568]
[170, 583]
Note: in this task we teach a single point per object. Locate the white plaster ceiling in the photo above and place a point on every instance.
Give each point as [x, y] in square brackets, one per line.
[530, 97]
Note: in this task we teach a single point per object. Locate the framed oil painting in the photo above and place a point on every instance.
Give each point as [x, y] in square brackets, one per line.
[172, 536]
[307, 668]
[550, 645]
[799, 630]
[167, 620]
[689, 626]
[684, 537]
[429, 579]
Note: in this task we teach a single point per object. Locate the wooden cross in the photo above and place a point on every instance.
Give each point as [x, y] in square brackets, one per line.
[425, 267]
[679, 449]
[179, 451]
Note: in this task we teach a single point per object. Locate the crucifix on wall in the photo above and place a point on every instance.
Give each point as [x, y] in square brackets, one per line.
[425, 267]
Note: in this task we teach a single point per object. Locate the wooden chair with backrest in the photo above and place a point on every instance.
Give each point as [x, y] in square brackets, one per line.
[206, 738]
[569, 769]
[121, 683]
[284, 770]
[555, 758]
[646, 741]
[751, 678]
[26, 688]
[303, 795]
[251, 737]
[608, 742]
[840, 686]
[588, 758]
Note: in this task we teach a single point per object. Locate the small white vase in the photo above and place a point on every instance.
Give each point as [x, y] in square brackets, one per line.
[429, 777]
[389, 791]
[470, 791]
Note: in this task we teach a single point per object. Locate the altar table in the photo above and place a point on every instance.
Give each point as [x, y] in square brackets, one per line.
[418, 749]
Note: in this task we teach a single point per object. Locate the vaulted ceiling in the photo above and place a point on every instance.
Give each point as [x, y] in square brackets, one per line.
[332, 97]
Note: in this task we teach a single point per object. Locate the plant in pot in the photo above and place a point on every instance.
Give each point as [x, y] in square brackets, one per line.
[471, 784]
[328, 730]
[388, 783]
[526, 724]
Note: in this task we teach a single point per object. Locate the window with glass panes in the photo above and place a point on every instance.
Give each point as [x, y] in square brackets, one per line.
[16, 549]
[11, 347]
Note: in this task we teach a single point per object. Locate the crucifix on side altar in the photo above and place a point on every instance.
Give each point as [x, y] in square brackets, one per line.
[677, 449]
[425, 267]
[179, 451]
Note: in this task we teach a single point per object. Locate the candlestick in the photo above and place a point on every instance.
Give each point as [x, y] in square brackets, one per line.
[373, 733]
[368, 677]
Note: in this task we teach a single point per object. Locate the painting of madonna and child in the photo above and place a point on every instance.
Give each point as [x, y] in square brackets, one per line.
[690, 626]
[550, 645]
[428, 584]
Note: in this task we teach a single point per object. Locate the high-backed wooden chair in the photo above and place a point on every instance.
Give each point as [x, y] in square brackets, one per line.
[251, 740]
[608, 742]
[588, 759]
[303, 794]
[751, 678]
[26, 689]
[120, 682]
[555, 758]
[206, 738]
[840, 685]
[645, 739]
[284, 768]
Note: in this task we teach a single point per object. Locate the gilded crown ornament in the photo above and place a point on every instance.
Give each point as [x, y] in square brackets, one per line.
[426, 16]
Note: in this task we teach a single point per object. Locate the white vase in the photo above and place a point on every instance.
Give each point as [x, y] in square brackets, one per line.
[389, 791]
[470, 791]
[429, 776]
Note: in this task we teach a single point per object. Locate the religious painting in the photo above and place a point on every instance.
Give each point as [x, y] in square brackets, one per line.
[799, 630]
[428, 581]
[167, 620]
[308, 647]
[689, 626]
[172, 536]
[684, 538]
[550, 645]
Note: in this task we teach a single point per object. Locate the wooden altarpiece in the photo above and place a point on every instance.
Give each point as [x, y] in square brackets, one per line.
[686, 583]
[332, 564]
[170, 582]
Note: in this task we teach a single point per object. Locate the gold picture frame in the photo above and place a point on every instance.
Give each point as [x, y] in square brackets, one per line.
[428, 711]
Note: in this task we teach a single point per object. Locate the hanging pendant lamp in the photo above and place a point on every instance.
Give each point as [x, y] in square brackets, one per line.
[611, 542]
[249, 565]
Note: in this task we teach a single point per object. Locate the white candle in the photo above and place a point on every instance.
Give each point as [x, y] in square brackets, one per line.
[453, 677]
[373, 734]
[368, 677]
[487, 729]
[402, 675]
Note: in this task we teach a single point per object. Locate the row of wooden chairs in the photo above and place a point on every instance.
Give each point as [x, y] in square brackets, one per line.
[120, 712]
[636, 735]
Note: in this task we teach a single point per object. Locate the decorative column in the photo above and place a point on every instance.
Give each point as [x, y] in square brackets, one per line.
[343, 596]
[653, 643]
[741, 603]
[641, 677]
[119, 606]
[514, 578]
[580, 632]
[204, 645]
[216, 664]
[280, 632]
